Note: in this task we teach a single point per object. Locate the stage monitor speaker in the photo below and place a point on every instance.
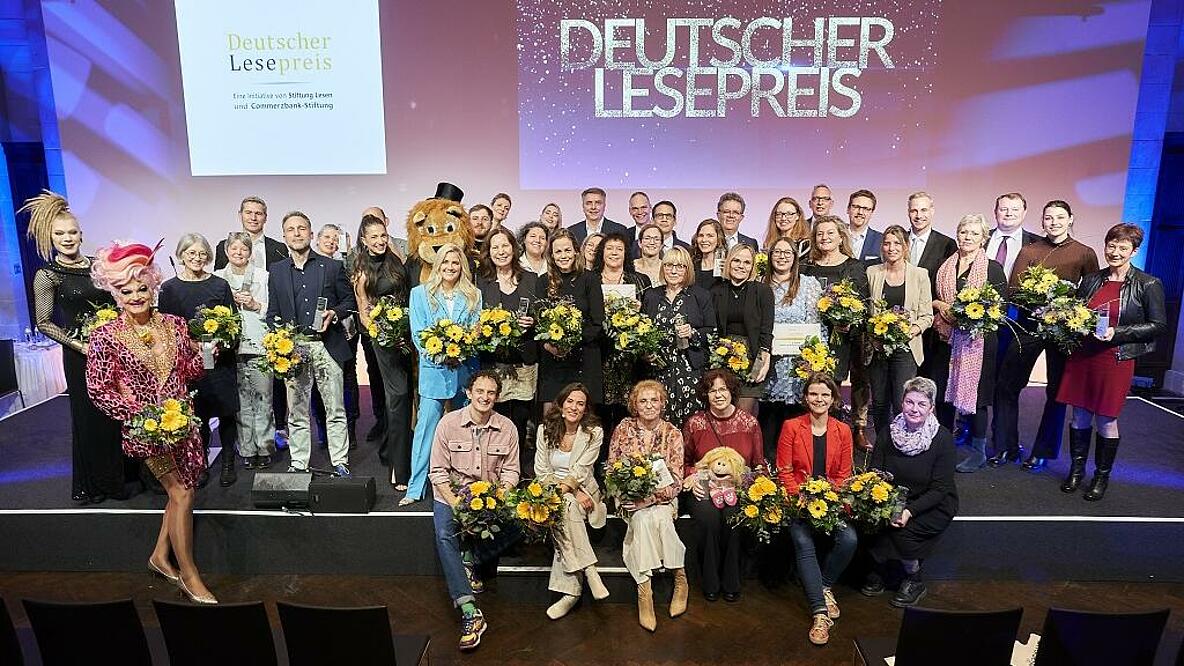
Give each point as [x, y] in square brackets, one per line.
[328, 494]
[277, 490]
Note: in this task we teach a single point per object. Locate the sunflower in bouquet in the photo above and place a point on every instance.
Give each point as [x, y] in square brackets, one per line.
[841, 306]
[978, 310]
[632, 333]
[1039, 286]
[285, 355]
[889, 330]
[814, 356]
[630, 478]
[729, 354]
[872, 498]
[1065, 321]
[164, 424]
[448, 343]
[482, 510]
[390, 324]
[538, 508]
[497, 331]
[762, 504]
[560, 323]
[760, 264]
[819, 504]
[99, 315]
[220, 323]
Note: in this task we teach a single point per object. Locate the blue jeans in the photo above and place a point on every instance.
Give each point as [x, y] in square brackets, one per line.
[813, 577]
[449, 552]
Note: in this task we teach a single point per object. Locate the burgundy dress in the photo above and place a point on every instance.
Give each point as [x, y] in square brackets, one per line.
[1095, 380]
[123, 375]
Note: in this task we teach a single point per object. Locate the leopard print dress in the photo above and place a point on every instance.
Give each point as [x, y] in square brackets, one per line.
[123, 375]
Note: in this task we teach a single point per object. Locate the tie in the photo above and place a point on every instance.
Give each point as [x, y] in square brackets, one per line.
[915, 250]
[1001, 253]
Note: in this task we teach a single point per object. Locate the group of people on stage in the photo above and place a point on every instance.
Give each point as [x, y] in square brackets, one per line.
[472, 419]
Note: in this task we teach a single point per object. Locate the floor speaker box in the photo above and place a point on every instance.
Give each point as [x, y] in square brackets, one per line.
[275, 490]
[337, 495]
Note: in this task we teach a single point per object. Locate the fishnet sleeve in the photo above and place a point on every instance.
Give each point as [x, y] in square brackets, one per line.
[45, 286]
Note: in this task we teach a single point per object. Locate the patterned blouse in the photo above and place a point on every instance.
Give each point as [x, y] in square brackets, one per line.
[783, 384]
[631, 439]
[123, 375]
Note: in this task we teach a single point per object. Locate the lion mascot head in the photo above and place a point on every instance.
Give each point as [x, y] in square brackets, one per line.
[433, 222]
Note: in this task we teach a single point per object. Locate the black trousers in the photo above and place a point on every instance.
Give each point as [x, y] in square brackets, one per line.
[394, 449]
[717, 547]
[377, 399]
[520, 412]
[1014, 372]
[888, 376]
[772, 416]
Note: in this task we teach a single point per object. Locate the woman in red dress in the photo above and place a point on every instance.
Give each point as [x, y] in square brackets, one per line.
[143, 358]
[1098, 374]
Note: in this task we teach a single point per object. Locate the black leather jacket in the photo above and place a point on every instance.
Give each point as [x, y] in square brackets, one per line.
[1142, 316]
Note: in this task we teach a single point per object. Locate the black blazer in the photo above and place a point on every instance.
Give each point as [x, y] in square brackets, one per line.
[1142, 316]
[746, 240]
[938, 248]
[491, 295]
[699, 311]
[635, 247]
[758, 314]
[335, 286]
[276, 251]
[607, 226]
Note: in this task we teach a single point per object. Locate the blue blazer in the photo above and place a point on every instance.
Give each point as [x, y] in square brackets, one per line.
[869, 254]
[437, 381]
[607, 226]
[335, 287]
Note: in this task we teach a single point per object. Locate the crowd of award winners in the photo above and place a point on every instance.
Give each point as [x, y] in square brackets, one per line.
[559, 372]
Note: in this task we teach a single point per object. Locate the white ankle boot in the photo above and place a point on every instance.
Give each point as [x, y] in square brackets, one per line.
[562, 607]
[595, 585]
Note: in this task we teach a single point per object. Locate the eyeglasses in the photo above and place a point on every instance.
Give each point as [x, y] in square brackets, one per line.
[781, 253]
[663, 216]
[717, 391]
[675, 267]
[862, 209]
[195, 254]
[792, 213]
[821, 199]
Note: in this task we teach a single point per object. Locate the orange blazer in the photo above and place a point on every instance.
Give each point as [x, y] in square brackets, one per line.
[795, 452]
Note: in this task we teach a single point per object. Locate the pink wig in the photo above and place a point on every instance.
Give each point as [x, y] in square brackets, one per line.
[120, 263]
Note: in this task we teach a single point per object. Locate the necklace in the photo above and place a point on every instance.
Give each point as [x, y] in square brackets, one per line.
[80, 262]
[145, 332]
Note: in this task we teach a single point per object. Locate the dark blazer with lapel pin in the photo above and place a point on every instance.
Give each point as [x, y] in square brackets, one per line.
[335, 287]
[580, 230]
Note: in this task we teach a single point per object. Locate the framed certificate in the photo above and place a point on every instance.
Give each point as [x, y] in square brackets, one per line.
[619, 291]
[788, 338]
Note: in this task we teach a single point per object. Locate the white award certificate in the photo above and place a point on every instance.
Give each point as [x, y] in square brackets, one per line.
[788, 338]
[619, 291]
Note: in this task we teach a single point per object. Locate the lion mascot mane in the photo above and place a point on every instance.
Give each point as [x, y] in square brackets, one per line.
[433, 222]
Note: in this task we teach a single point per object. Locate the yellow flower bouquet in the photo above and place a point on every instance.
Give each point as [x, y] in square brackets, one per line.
[100, 315]
[1065, 321]
[632, 333]
[762, 510]
[483, 510]
[1039, 286]
[390, 325]
[819, 504]
[497, 330]
[872, 499]
[760, 264]
[538, 508]
[978, 310]
[448, 343]
[284, 355]
[841, 306]
[630, 478]
[814, 356]
[729, 354]
[220, 323]
[560, 323]
[889, 330]
[164, 424]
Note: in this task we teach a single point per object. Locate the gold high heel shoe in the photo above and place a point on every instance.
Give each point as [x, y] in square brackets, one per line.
[204, 599]
[152, 566]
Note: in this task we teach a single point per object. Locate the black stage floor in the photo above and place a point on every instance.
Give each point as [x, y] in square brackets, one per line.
[1012, 524]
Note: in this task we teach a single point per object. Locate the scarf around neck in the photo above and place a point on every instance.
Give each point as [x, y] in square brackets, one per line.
[913, 442]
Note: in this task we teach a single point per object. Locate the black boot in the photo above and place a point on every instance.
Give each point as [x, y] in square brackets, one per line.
[1078, 454]
[229, 474]
[911, 591]
[1103, 462]
[353, 436]
[1006, 456]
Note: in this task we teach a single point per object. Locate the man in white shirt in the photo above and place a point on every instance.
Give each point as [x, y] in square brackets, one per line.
[730, 211]
[820, 202]
[1009, 234]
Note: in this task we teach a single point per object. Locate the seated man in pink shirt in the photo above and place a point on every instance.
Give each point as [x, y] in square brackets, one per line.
[473, 443]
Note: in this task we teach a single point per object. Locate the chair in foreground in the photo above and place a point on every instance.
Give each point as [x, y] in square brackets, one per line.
[929, 636]
[88, 633]
[1085, 638]
[317, 635]
[222, 634]
[10, 645]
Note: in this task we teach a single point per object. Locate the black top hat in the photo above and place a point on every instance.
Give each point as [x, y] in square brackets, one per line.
[449, 191]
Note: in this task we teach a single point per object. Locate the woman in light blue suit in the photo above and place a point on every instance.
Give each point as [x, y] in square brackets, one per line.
[448, 293]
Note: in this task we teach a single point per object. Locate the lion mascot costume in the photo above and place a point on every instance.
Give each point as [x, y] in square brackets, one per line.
[430, 224]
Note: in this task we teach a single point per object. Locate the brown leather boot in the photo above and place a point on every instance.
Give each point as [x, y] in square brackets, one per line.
[645, 606]
[678, 602]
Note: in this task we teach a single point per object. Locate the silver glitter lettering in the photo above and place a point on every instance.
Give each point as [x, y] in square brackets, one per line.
[834, 42]
[746, 41]
[717, 34]
[693, 92]
[723, 95]
[769, 95]
[628, 93]
[793, 91]
[664, 89]
[598, 96]
[566, 26]
[866, 43]
[639, 46]
[788, 42]
[846, 91]
[613, 44]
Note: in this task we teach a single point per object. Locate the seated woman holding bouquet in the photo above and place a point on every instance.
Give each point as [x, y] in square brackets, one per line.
[651, 541]
[147, 359]
[818, 445]
[919, 454]
[569, 441]
[721, 424]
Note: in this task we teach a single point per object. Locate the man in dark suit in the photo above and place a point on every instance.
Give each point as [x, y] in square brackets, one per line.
[265, 251]
[730, 211]
[929, 249]
[1009, 235]
[294, 286]
[865, 241]
[640, 211]
[666, 219]
[821, 202]
[594, 222]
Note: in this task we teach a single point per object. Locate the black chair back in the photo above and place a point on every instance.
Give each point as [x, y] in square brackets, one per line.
[966, 638]
[222, 634]
[107, 632]
[8, 381]
[1113, 639]
[318, 635]
[10, 645]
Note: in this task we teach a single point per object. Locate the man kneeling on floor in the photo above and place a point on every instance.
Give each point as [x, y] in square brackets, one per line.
[473, 443]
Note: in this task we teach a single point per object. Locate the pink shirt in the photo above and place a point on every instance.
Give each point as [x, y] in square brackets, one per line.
[463, 452]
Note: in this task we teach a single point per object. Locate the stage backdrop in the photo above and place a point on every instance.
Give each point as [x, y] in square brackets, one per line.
[170, 113]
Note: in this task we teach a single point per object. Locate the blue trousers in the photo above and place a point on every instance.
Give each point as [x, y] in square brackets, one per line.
[813, 576]
[426, 419]
[449, 551]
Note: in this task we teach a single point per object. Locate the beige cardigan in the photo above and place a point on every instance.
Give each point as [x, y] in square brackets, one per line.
[584, 452]
[918, 300]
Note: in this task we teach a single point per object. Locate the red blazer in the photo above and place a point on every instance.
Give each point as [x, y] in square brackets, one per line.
[795, 452]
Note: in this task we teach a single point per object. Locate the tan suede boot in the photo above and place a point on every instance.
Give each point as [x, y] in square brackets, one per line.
[645, 606]
[678, 602]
